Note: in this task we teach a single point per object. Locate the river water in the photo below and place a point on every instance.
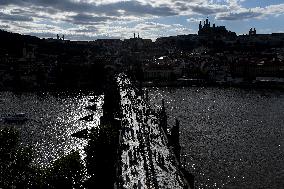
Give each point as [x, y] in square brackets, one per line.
[230, 138]
[52, 119]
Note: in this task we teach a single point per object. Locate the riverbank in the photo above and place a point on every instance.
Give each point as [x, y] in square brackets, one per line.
[204, 83]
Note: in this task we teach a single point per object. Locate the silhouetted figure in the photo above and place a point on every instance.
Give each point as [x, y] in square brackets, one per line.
[163, 117]
[175, 140]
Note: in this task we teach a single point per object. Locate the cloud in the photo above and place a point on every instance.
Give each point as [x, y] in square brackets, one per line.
[196, 20]
[120, 18]
[14, 17]
[208, 9]
[272, 9]
[73, 36]
[151, 26]
[247, 14]
[256, 12]
[9, 2]
[86, 29]
[111, 8]
[4, 27]
[87, 19]
[137, 8]
[148, 29]
[81, 15]
[63, 5]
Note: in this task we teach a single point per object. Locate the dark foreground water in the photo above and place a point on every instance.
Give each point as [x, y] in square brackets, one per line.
[231, 138]
[52, 118]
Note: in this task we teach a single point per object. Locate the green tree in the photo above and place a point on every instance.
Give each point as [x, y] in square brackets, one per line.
[15, 161]
[66, 172]
[17, 170]
[101, 156]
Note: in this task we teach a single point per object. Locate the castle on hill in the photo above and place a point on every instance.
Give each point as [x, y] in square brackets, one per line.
[206, 30]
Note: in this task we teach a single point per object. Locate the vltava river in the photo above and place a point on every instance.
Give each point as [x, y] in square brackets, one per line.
[231, 138]
[52, 118]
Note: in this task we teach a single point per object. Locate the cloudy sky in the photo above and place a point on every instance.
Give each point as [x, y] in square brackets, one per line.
[92, 19]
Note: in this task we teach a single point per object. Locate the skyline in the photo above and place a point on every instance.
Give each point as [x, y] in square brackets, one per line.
[90, 19]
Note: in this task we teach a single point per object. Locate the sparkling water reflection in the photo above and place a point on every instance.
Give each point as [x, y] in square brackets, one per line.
[52, 118]
[231, 138]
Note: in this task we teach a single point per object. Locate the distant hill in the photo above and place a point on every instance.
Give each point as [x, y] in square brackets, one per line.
[13, 43]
